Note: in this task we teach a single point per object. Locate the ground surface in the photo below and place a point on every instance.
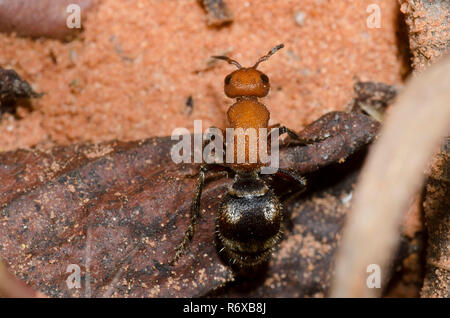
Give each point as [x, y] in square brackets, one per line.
[129, 74]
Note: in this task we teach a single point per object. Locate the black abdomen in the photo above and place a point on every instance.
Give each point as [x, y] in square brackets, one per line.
[249, 221]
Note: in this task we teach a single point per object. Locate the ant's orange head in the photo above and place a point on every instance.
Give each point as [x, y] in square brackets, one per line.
[247, 81]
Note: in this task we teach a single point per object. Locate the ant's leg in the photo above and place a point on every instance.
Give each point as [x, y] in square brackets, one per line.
[287, 174]
[297, 138]
[291, 175]
[195, 206]
[195, 213]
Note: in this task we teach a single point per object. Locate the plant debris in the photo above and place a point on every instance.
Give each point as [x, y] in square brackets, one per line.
[12, 89]
[218, 12]
[436, 207]
[372, 98]
[43, 18]
[428, 25]
[387, 185]
[116, 210]
[189, 105]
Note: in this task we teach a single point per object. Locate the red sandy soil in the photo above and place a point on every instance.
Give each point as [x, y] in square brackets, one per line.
[130, 72]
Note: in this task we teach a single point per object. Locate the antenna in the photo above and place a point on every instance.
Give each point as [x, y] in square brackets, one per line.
[226, 58]
[271, 52]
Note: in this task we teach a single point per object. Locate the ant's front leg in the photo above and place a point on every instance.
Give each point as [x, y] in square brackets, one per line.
[195, 206]
[195, 213]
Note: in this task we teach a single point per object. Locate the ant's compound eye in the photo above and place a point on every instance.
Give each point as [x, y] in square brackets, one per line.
[264, 78]
[227, 79]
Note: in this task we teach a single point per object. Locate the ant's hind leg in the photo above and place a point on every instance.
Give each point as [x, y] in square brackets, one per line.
[195, 213]
[291, 175]
[291, 195]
